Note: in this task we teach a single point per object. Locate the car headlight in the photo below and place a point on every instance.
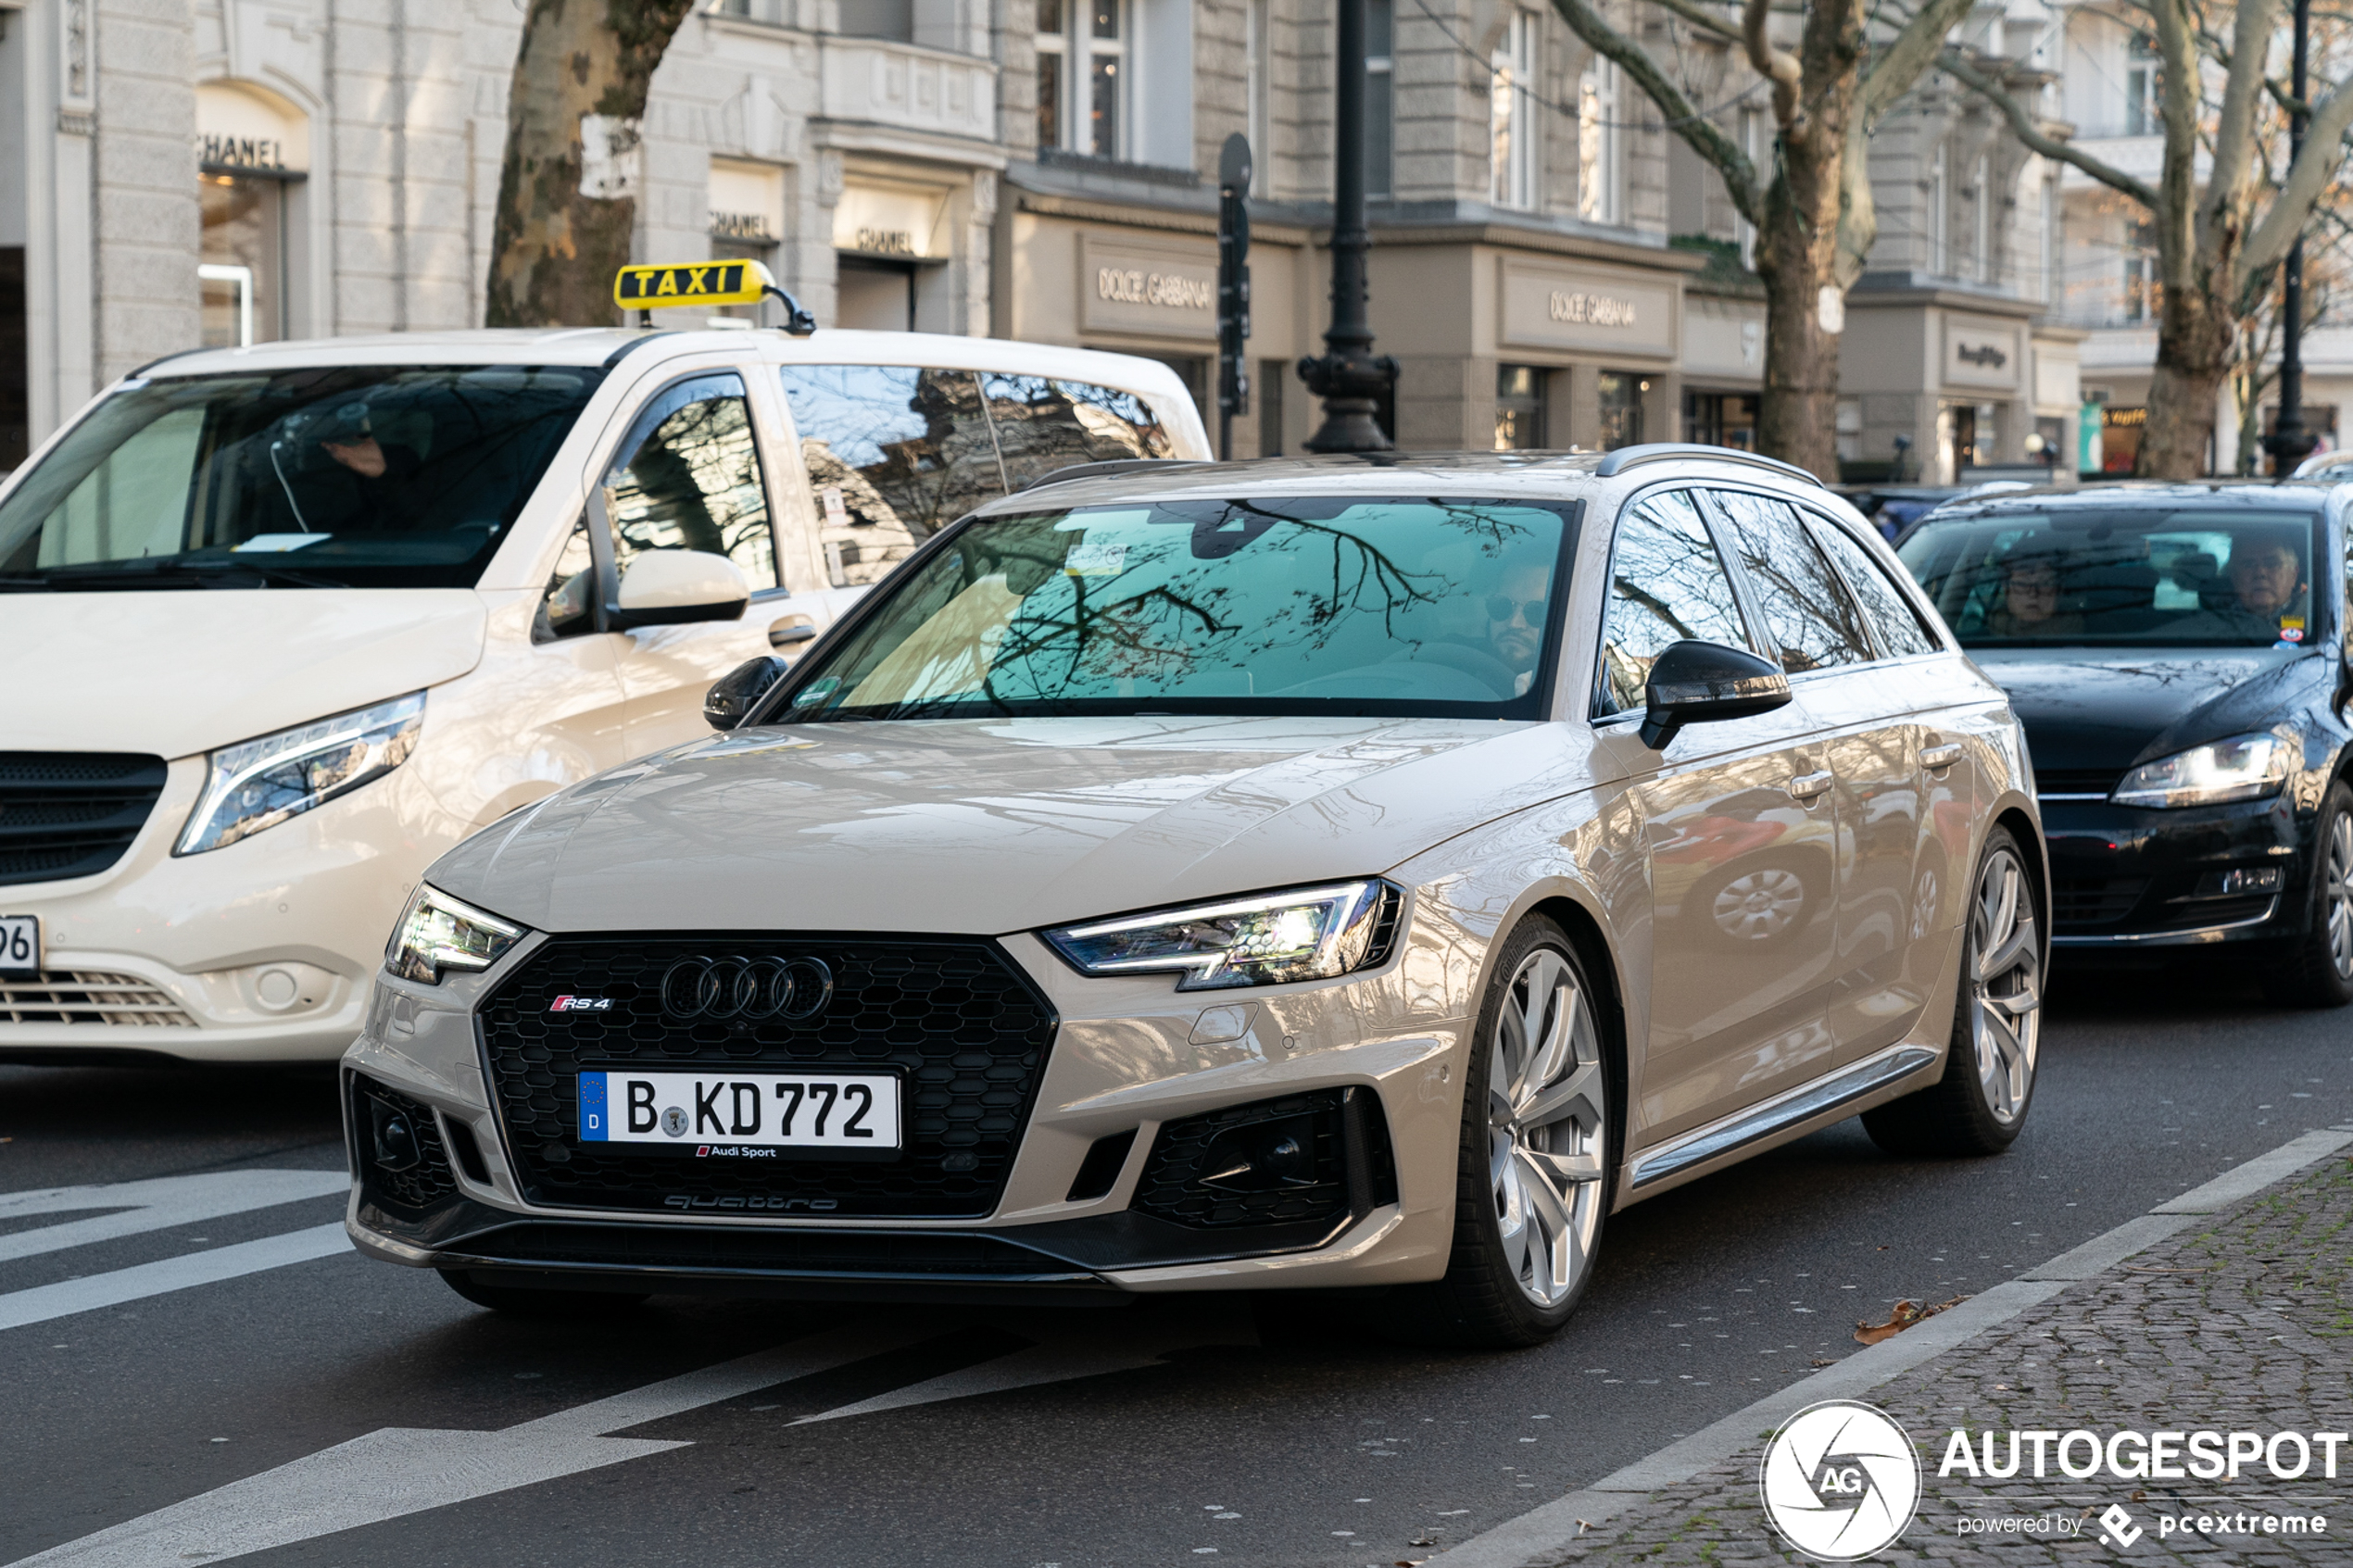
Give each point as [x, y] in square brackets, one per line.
[438, 932]
[258, 784]
[2242, 768]
[1266, 939]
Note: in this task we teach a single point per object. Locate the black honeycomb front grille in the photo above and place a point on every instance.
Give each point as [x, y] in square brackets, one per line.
[69, 813]
[1347, 1165]
[963, 1027]
[413, 1187]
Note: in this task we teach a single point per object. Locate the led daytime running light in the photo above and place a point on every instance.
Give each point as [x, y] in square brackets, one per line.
[1312, 934]
[258, 784]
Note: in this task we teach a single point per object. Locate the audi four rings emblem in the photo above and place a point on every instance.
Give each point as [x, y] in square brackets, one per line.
[746, 990]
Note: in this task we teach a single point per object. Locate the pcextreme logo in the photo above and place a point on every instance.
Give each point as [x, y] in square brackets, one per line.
[1840, 1481]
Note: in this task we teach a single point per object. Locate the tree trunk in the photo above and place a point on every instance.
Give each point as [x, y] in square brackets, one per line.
[2193, 357]
[1797, 415]
[567, 193]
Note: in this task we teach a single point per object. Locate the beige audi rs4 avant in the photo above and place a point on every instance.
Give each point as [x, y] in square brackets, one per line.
[1335, 873]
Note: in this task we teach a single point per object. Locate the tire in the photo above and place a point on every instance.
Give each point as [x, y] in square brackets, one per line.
[520, 1302]
[1980, 1105]
[2318, 970]
[1536, 1163]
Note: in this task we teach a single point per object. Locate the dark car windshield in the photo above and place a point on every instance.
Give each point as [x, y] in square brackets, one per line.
[393, 477]
[1339, 605]
[2150, 576]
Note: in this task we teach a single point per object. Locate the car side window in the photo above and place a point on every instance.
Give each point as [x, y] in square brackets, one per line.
[564, 608]
[691, 481]
[1667, 584]
[1891, 614]
[1812, 622]
[1044, 423]
[895, 453]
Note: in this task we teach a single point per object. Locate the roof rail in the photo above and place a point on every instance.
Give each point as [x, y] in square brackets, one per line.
[1110, 466]
[1617, 462]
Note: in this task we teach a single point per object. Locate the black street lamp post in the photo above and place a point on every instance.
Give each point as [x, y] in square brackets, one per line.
[2290, 442]
[1350, 377]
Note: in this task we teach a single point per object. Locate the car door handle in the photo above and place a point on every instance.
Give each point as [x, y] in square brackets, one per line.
[1936, 758]
[1810, 786]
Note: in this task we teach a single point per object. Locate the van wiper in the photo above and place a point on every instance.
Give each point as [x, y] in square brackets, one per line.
[148, 572]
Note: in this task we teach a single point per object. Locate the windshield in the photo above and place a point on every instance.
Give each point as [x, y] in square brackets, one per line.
[2148, 577]
[381, 478]
[1344, 605]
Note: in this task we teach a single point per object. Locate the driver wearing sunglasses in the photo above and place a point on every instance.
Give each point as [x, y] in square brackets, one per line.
[1515, 623]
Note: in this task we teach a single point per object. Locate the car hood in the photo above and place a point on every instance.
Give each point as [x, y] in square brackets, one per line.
[2093, 710]
[182, 670]
[979, 826]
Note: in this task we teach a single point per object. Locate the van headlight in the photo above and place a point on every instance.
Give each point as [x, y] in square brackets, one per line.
[258, 784]
[2242, 768]
[1266, 939]
[437, 931]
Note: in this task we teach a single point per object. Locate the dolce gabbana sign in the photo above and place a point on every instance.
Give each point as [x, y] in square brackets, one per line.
[1158, 288]
[1549, 306]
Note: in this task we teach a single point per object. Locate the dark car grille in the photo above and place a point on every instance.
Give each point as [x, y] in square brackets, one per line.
[2078, 901]
[966, 1029]
[797, 1251]
[2077, 780]
[72, 813]
[1182, 1182]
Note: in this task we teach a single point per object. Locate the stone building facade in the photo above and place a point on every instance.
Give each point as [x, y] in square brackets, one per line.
[1550, 266]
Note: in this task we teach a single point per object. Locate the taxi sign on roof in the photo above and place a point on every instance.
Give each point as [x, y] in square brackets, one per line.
[691, 284]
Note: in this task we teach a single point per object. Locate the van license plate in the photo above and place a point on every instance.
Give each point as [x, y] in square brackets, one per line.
[20, 944]
[844, 1110]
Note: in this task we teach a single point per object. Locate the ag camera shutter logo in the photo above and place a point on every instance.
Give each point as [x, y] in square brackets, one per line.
[1840, 1481]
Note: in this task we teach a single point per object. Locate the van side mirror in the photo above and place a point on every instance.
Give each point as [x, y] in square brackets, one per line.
[677, 587]
[732, 694]
[1704, 683]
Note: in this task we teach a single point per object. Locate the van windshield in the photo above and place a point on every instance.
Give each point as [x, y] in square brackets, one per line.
[1291, 605]
[2147, 577]
[371, 477]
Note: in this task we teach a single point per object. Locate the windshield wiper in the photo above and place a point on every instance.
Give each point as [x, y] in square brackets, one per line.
[148, 572]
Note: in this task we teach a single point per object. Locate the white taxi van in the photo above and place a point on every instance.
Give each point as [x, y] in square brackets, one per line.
[288, 621]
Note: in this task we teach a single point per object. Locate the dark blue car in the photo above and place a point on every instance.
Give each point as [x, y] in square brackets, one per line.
[2178, 656]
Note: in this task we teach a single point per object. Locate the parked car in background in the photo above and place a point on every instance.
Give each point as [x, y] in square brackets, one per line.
[290, 620]
[1325, 873]
[2178, 655]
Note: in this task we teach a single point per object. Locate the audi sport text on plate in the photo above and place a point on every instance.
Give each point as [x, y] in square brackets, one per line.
[779, 1110]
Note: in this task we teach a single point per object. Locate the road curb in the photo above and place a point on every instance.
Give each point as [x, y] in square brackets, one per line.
[1516, 1541]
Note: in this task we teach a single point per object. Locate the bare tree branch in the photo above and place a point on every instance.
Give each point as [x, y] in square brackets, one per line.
[2234, 126]
[2322, 156]
[1698, 133]
[1908, 55]
[1707, 21]
[1959, 66]
[1777, 66]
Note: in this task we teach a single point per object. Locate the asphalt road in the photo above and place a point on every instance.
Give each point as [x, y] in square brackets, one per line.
[337, 1412]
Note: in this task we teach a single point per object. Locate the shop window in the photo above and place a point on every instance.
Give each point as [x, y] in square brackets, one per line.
[894, 453]
[874, 296]
[1082, 77]
[692, 481]
[1721, 419]
[2120, 436]
[1967, 434]
[1510, 118]
[1620, 393]
[241, 265]
[1380, 97]
[1042, 425]
[1600, 178]
[1519, 407]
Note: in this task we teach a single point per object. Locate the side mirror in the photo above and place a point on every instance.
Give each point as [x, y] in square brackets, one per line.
[1702, 682]
[676, 587]
[732, 694]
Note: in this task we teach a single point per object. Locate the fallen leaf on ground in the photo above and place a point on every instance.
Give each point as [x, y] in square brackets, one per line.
[1904, 1316]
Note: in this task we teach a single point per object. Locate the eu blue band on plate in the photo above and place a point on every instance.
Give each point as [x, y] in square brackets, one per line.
[593, 1123]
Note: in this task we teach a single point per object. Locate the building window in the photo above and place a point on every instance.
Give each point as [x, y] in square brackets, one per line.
[1053, 78]
[1721, 419]
[1597, 144]
[1082, 76]
[2048, 241]
[2142, 87]
[1510, 124]
[1621, 395]
[2143, 293]
[1380, 97]
[1519, 407]
[894, 20]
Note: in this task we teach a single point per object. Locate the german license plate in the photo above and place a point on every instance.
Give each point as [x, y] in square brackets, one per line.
[20, 944]
[842, 1111]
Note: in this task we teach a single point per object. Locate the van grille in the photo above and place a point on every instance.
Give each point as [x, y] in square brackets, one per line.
[72, 813]
[964, 1026]
[89, 997]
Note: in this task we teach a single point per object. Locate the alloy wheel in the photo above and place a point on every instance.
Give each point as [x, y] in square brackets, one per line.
[1547, 1128]
[2336, 893]
[2006, 988]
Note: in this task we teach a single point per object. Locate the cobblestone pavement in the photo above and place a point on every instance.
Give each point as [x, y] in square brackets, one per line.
[2242, 1322]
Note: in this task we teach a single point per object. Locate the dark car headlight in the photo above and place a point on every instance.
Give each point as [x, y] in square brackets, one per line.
[1262, 939]
[2248, 767]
